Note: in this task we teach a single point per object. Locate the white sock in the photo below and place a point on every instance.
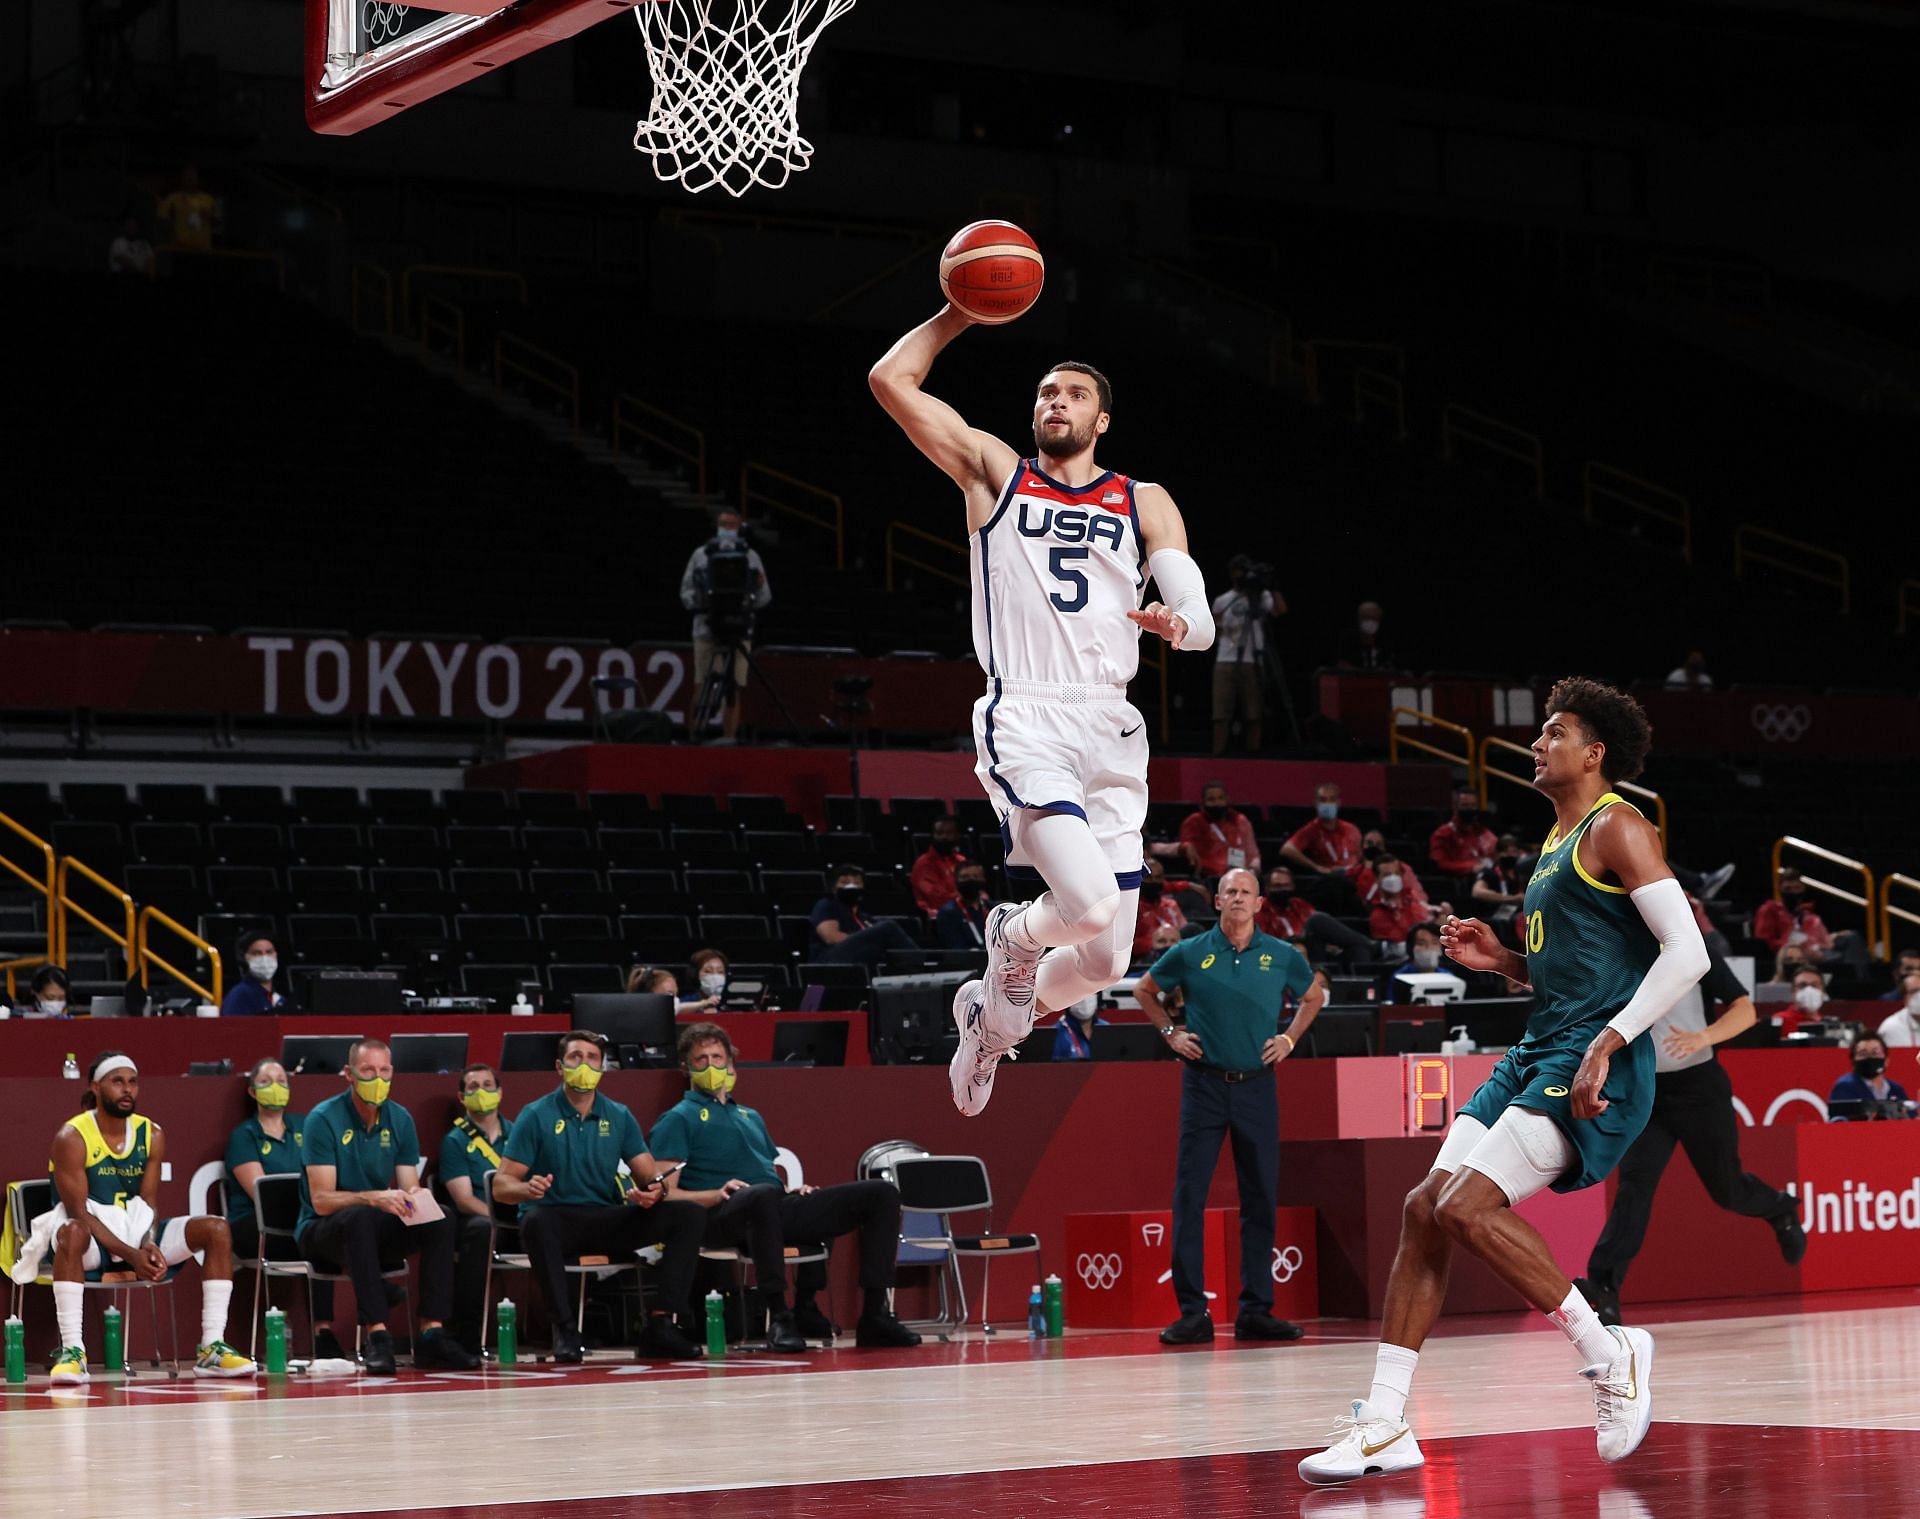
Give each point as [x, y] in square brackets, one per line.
[214, 1297]
[1392, 1380]
[68, 1301]
[1579, 1323]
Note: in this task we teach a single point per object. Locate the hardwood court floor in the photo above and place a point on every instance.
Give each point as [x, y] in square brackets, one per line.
[1806, 1410]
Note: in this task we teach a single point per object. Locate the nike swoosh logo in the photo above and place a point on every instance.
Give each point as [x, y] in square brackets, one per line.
[1374, 1450]
[1129, 732]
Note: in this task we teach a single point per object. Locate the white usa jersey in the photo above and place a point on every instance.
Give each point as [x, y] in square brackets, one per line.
[1055, 572]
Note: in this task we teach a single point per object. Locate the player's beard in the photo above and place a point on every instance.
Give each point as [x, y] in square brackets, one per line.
[124, 1108]
[1064, 444]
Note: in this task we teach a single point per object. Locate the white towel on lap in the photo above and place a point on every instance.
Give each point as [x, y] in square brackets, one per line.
[129, 1223]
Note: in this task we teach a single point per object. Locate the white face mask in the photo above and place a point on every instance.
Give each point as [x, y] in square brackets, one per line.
[54, 1009]
[1913, 1004]
[713, 986]
[1427, 959]
[1085, 1008]
[1391, 885]
[1812, 998]
[1369, 626]
[262, 967]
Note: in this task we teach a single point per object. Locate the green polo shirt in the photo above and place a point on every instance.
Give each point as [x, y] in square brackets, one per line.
[466, 1151]
[363, 1158]
[581, 1152]
[718, 1140]
[1234, 997]
[277, 1157]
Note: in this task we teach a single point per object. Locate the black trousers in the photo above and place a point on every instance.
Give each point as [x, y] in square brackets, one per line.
[868, 947]
[554, 1235]
[1210, 1110]
[765, 1218]
[246, 1247]
[1692, 1108]
[364, 1241]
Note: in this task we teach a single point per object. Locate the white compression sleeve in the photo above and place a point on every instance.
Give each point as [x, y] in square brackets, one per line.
[1683, 957]
[1184, 590]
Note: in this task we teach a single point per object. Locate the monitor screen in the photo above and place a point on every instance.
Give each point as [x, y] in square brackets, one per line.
[813, 1041]
[638, 1021]
[526, 1051]
[429, 1054]
[315, 1054]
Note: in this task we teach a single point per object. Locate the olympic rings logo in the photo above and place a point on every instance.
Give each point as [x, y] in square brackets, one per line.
[382, 20]
[1099, 1272]
[1286, 1262]
[1781, 724]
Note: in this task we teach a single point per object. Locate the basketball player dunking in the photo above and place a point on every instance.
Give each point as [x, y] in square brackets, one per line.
[1061, 550]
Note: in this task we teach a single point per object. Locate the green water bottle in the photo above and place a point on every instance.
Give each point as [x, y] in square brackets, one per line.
[716, 1326]
[1056, 1308]
[16, 1350]
[116, 1345]
[276, 1340]
[506, 1331]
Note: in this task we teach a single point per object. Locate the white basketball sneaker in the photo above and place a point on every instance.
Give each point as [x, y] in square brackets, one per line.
[1623, 1395]
[1366, 1445]
[970, 1073]
[1007, 986]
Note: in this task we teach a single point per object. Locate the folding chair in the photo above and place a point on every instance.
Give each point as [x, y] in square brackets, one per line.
[796, 1254]
[276, 1201]
[944, 1185]
[26, 1201]
[506, 1230]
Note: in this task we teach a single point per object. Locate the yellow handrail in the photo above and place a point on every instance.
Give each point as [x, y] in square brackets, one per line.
[1383, 390]
[940, 572]
[365, 273]
[696, 455]
[1396, 739]
[1864, 899]
[1888, 912]
[146, 956]
[1630, 788]
[1490, 771]
[457, 271]
[64, 904]
[1907, 604]
[568, 392]
[451, 323]
[1747, 534]
[1643, 496]
[1490, 433]
[835, 524]
[10, 966]
[46, 884]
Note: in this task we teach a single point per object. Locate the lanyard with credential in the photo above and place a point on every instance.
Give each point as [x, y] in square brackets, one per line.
[480, 1143]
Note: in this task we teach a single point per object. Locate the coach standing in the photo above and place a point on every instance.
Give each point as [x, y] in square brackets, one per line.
[1237, 981]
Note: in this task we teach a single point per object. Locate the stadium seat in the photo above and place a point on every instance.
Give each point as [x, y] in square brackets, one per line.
[168, 844]
[475, 807]
[172, 802]
[327, 844]
[248, 843]
[780, 850]
[558, 809]
[566, 978]
[563, 847]
[328, 804]
[401, 805]
[620, 809]
[490, 888]
[98, 802]
[252, 804]
[478, 844]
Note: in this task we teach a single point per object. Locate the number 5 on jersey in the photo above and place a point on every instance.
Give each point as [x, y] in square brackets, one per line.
[1057, 561]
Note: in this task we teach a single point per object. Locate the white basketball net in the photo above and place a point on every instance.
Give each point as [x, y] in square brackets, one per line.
[726, 88]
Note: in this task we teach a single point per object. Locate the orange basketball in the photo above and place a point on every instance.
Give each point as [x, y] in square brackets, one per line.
[992, 271]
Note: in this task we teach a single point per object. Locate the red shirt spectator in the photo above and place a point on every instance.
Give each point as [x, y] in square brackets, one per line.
[1463, 844]
[1776, 923]
[1151, 916]
[933, 872]
[1327, 843]
[1287, 923]
[1217, 839]
[1393, 915]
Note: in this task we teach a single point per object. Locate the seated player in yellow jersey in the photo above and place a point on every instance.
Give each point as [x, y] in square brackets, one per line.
[106, 1173]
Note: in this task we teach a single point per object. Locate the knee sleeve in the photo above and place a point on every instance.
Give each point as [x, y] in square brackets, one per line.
[1069, 858]
[1094, 964]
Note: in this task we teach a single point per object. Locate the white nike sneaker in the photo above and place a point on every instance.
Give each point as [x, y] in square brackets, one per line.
[970, 1073]
[1623, 1395]
[1007, 986]
[1365, 1445]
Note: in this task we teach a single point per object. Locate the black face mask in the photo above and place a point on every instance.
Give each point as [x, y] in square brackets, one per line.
[1371, 851]
[1468, 817]
[1215, 811]
[945, 846]
[1869, 1067]
[1278, 897]
[1152, 891]
[849, 894]
[972, 891]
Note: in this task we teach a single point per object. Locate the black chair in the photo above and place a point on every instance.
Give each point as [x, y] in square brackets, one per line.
[504, 1254]
[469, 844]
[560, 847]
[465, 806]
[488, 888]
[327, 843]
[402, 805]
[247, 843]
[405, 844]
[98, 801]
[846, 988]
[166, 843]
[559, 809]
[252, 804]
[328, 804]
[941, 1186]
[794, 851]
[276, 1203]
[566, 979]
[620, 809]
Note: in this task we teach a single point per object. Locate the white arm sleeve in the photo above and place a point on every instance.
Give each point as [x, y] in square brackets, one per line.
[1184, 591]
[1683, 958]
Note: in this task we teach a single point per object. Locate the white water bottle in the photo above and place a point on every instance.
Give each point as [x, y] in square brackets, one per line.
[71, 1070]
[521, 1007]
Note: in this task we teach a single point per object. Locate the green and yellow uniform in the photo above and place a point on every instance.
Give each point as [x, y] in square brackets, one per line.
[1588, 950]
[718, 1140]
[466, 1151]
[364, 1156]
[582, 1152]
[113, 1177]
[276, 1156]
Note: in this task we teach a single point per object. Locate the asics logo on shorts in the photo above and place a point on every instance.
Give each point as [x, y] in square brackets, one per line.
[1099, 1272]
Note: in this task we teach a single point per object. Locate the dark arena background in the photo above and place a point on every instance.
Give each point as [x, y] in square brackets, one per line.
[374, 416]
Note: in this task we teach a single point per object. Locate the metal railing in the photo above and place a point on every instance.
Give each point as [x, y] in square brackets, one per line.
[895, 554]
[511, 277]
[148, 959]
[376, 282]
[1312, 348]
[441, 318]
[63, 903]
[46, 882]
[507, 358]
[1603, 482]
[1863, 899]
[1373, 387]
[1397, 740]
[830, 515]
[1462, 424]
[1761, 545]
[695, 455]
[25, 962]
[1888, 912]
[1490, 771]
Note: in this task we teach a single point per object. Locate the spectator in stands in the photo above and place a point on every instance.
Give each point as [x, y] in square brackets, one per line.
[472, 1148]
[1691, 674]
[1464, 845]
[962, 923]
[933, 877]
[1218, 838]
[1794, 920]
[46, 995]
[1901, 1030]
[191, 214]
[711, 968]
[1157, 908]
[1285, 914]
[562, 1165]
[1423, 955]
[842, 935]
[1361, 646]
[1240, 614]
[271, 1141]
[1905, 963]
[1809, 999]
[130, 252]
[662, 982]
[1326, 853]
[1501, 886]
[1073, 1034]
[355, 1199]
[730, 1172]
[1868, 1080]
[724, 585]
[253, 996]
[1396, 902]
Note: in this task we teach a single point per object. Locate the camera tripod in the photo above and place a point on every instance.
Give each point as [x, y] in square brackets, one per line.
[718, 688]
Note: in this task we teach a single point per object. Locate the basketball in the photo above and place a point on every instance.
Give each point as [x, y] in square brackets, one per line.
[992, 271]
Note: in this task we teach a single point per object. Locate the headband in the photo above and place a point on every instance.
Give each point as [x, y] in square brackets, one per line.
[112, 1064]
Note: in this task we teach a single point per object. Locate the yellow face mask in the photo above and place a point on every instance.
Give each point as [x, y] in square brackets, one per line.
[581, 1077]
[275, 1095]
[713, 1078]
[481, 1101]
[373, 1090]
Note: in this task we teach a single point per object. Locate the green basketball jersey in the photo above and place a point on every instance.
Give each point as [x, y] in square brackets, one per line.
[113, 1179]
[1587, 947]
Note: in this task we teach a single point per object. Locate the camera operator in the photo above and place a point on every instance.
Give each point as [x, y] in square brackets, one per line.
[725, 584]
[1239, 650]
